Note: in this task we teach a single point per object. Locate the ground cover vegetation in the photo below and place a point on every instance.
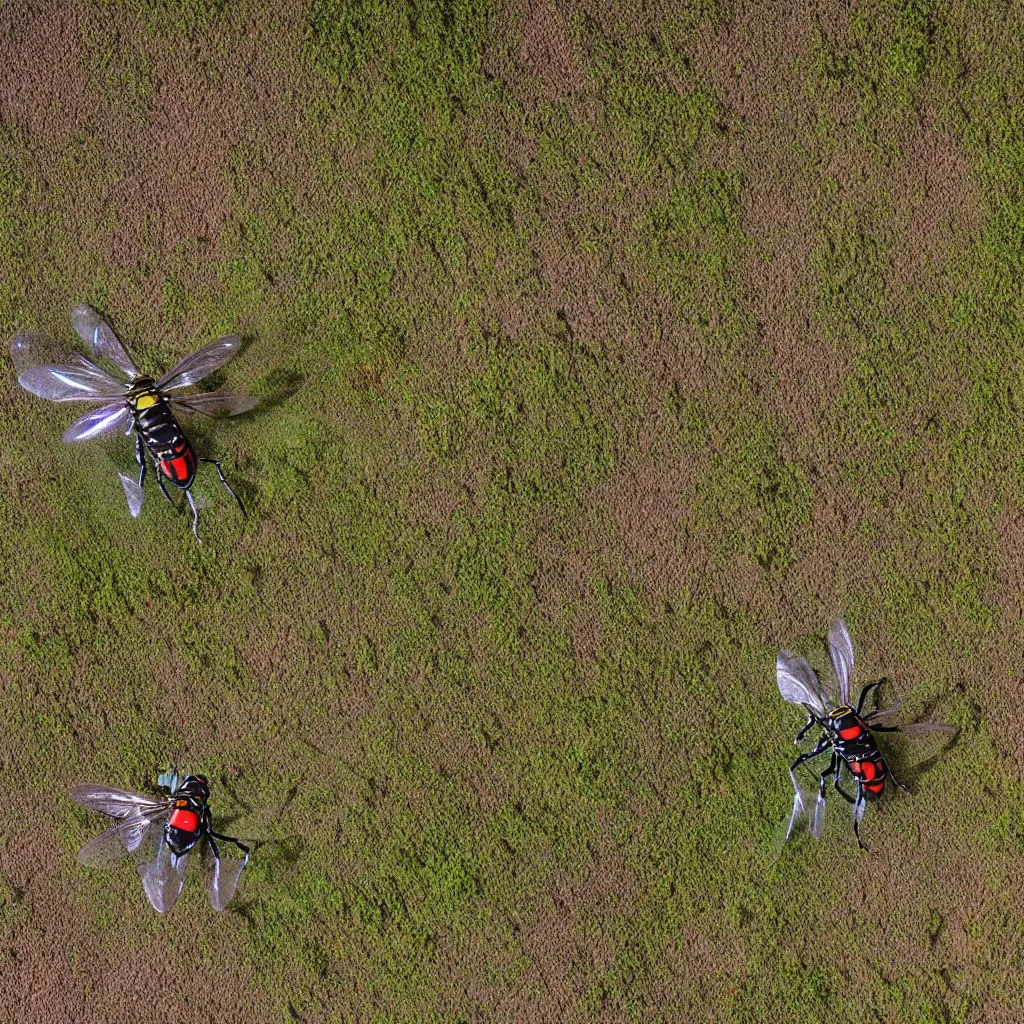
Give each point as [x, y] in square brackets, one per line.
[603, 349]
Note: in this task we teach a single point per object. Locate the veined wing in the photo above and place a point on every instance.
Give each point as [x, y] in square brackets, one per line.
[51, 371]
[140, 814]
[126, 837]
[118, 803]
[840, 651]
[112, 418]
[220, 874]
[214, 403]
[133, 493]
[200, 364]
[798, 683]
[162, 872]
[96, 333]
[29, 349]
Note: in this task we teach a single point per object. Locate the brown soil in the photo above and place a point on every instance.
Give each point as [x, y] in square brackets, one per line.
[164, 162]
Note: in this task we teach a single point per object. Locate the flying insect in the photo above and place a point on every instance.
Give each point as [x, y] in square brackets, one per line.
[160, 833]
[138, 404]
[846, 732]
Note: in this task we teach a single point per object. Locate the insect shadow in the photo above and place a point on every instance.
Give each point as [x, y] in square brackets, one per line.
[919, 745]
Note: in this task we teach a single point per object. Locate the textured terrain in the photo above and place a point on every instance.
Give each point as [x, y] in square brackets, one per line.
[603, 349]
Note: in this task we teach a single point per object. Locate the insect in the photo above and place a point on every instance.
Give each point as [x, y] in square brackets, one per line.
[160, 833]
[845, 731]
[142, 405]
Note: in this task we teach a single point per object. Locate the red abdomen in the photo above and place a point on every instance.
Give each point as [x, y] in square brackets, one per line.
[180, 468]
[186, 820]
[870, 774]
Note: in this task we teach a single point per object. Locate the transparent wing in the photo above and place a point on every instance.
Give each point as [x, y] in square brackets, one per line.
[133, 492]
[126, 837]
[929, 729]
[163, 873]
[221, 874]
[140, 813]
[200, 364]
[112, 418]
[51, 371]
[798, 683]
[96, 333]
[28, 350]
[214, 403]
[840, 650]
[882, 713]
[118, 803]
[71, 383]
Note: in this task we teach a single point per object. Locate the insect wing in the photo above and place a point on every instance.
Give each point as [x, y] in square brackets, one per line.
[133, 492]
[797, 682]
[128, 836]
[840, 650]
[29, 349]
[140, 814]
[929, 729]
[214, 403]
[221, 874]
[881, 714]
[86, 383]
[112, 418]
[200, 364]
[162, 872]
[118, 803]
[96, 333]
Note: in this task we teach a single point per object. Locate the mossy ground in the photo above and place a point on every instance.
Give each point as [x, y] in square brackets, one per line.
[604, 350]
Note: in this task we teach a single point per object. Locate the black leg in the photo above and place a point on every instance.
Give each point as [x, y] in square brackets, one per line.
[803, 732]
[140, 458]
[819, 809]
[818, 749]
[839, 789]
[864, 693]
[798, 801]
[195, 514]
[220, 473]
[229, 839]
[832, 769]
[885, 728]
[163, 490]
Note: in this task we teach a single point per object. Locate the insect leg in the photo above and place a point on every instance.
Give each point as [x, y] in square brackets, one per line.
[163, 489]
[220, 473]
[858, 814]
[230, 839]
[798, 801]
[885, 728]
[803, 732]
[835, 782]
[195, 514]
[864, 693]
[819, 808]
[140, 458]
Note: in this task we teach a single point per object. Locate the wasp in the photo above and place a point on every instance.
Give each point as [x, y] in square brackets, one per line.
[160, 833]
[845, 731]
[138, 404]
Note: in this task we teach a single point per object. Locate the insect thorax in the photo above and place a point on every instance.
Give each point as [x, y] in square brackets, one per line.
[143, 395]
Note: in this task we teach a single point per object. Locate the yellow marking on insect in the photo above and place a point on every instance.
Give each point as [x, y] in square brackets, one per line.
[145, 400]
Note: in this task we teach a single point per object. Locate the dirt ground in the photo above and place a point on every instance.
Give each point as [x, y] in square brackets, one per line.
[603, 350]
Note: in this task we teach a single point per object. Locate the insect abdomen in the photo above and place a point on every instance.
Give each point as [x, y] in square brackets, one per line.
[855, 744]
[185, 819]
[163, 438]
